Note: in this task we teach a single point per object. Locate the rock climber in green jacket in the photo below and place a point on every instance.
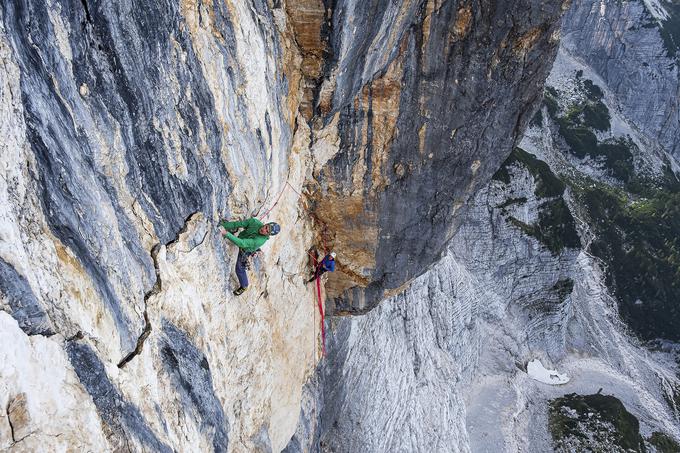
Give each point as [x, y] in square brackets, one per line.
[249, 241]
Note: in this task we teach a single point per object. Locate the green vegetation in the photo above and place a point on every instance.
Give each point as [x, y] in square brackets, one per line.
[593, 91]
[663, 443]
[598, 423]
[636, 228]
[555, 227]
[547, 184]
[615, 154]
[563, 288]
[550, 100]
[639, 241]
[577, 126]
[591, 112]
[512, 201]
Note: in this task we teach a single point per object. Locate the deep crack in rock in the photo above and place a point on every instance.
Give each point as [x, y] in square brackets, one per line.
[147, 323]
[155, 290]
[9, 421]
[88, 17]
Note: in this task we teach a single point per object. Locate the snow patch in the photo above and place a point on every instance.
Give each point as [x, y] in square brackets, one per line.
[538, 372]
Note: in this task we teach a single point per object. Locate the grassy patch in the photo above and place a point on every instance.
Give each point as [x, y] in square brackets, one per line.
[593, 91]
[555, 227]
[639, 240]
[577, 125]
[512, 201]
[663, 443]
[593, 423]
[547, 184]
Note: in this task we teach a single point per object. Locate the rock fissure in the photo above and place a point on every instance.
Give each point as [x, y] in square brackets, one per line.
[86, 8]
[9, 421]
[157, 288]
[147, 322]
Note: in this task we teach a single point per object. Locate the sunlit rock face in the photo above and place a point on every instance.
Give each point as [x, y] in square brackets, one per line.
[385, 130]
[128, 129]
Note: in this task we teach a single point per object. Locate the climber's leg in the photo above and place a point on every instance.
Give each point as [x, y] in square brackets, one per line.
[241, 270]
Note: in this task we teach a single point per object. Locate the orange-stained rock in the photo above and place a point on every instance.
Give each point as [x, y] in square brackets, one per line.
[307, 18]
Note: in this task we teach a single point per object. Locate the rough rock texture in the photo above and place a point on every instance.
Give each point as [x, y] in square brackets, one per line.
[520, 280]
[128, 129]
[453, 348]
[373, 127]
[419, 96]
[41, 400]
[623, 42]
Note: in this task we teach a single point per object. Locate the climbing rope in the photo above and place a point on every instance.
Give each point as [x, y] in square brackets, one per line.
[318, 281]
[320, 304]
[285, 186]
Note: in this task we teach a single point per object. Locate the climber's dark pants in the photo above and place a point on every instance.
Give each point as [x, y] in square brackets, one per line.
[318, 273]
[241, 266]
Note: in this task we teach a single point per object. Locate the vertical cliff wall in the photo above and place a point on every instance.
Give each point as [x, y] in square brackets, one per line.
[566, 257]
[376, 128]
[128, 130]
[428, 99]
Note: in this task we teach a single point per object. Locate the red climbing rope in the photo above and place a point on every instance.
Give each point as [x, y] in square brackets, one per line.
[323, 328]
[287, 184]
[320, 304]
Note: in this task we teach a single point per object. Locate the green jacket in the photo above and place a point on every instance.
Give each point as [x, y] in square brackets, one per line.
[248, 240]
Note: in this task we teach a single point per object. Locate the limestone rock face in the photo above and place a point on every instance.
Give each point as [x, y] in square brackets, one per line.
[532, 274]
[633, 46]
[428, 99]
[128, 130]
[386, 130]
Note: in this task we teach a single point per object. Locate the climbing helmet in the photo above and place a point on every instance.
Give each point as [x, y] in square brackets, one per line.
[274, 228]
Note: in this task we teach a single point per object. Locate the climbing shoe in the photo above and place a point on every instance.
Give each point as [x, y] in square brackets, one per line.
[239, 291]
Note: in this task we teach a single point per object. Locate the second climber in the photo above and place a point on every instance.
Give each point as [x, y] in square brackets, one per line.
[327, 264]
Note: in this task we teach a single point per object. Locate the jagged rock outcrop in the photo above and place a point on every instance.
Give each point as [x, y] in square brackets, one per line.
[419, 93]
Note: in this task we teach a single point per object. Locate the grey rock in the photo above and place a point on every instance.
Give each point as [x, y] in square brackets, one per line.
[23, 304]
[623, 44]
[306, 438]
[124, 54]
[123, 420]
[453, 127]
[190, 372]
